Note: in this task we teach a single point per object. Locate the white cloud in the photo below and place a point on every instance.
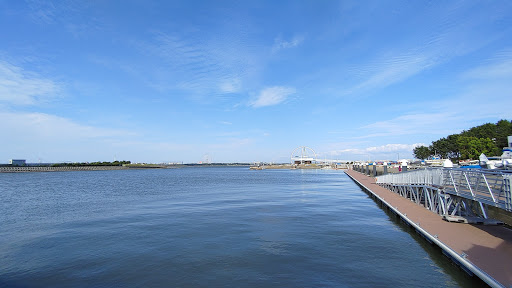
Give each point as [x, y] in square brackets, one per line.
[379, 149]
[51, 138]
[383, 152]
[272, 96]
[410, 124]
[393, 147]
[231, 86]
[280, 44]
[19, 87]
[48, 128]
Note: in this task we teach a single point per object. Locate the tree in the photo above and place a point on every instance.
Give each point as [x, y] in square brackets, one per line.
[476, 141]
[422, 152]
[496, 132]
[503, 130]
[446, 147]
[471, 147]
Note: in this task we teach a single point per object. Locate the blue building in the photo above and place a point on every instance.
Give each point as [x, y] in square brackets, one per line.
[17, 162]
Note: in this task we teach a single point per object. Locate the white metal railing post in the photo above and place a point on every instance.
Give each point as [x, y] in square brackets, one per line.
[507, 191]
[469, 185]
[489, 188]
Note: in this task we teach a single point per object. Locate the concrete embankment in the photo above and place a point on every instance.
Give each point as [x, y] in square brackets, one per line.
[299, 166]
[481, 250]
[15, 169]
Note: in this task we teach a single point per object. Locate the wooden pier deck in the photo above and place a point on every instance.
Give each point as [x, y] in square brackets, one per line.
[484, 250]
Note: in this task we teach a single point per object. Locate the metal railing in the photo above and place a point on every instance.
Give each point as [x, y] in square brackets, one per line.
[428, 176]
[488, 187]
[484, 186]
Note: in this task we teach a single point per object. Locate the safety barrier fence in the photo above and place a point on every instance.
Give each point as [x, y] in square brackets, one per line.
[483, 186]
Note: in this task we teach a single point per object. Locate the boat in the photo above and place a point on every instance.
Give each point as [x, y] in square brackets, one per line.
[437, 161]
[502, 162]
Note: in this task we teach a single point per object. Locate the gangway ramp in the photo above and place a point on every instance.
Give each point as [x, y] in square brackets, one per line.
[453, 192]
[482, 250]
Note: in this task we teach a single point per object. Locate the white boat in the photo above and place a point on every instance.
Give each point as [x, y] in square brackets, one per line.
[437, 161]
[502, 162]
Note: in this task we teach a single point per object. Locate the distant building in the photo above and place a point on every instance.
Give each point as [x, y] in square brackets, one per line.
[19, 162]
[303, 155]
[302, 160]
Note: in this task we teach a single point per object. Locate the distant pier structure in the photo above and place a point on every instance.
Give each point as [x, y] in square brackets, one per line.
[19, 162]
[303, 155]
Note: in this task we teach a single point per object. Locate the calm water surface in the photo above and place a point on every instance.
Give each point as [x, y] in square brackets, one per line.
[207, 227]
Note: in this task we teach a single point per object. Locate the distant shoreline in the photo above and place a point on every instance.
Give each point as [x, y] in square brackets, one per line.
[52, 168]
[20, 169]
[298, 166]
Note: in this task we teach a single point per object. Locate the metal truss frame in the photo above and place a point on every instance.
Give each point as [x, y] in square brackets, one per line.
[454, 192]
[484, 187]
[435, 200]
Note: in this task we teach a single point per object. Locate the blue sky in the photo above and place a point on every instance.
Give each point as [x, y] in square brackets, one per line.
[244, 81]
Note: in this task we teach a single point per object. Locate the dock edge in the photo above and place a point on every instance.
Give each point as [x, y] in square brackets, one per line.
[454, 256]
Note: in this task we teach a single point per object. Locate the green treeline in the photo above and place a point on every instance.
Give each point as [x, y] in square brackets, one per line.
[469, 144]
[115, 163]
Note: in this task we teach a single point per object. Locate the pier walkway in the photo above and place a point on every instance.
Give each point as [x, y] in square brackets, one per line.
[482, 250]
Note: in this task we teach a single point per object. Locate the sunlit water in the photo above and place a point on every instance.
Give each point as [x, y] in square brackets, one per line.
[207, 227]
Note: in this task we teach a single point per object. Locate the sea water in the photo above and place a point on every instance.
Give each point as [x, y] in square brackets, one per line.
[207, 227]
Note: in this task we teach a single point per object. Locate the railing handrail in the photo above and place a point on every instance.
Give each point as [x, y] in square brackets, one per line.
[427, 176]
[486, 186]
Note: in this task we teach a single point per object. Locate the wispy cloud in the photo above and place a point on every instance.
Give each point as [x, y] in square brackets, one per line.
[498, 68]
[390, 70]
[199, 64]
[272, 96]
[449, 38]
[410, 124]
[231, 85]
[46, 127]
[483, 92]
[59, 139]
[382, 152]
[487, 89]
[393, 147]
[66, 13]
[43, 11]
[21, 87]
[280, 44]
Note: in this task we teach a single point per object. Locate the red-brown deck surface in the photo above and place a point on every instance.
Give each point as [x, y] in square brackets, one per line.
[487, 247]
